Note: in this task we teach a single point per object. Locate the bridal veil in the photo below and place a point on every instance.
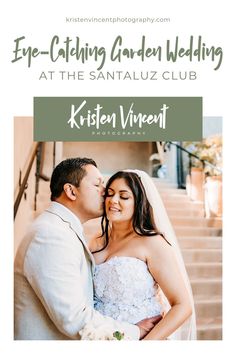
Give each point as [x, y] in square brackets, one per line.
[188, 330]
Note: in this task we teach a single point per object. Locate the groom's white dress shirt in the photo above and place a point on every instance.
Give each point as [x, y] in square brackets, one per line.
[54, 280]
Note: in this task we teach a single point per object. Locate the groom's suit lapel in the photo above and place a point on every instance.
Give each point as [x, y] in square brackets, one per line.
[66, 215]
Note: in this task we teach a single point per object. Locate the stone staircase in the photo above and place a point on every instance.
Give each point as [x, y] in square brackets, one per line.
[200, 240]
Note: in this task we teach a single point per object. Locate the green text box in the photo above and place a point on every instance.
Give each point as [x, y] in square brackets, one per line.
[117, 118]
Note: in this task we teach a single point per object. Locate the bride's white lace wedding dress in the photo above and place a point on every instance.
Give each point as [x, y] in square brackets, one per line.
[125, 290]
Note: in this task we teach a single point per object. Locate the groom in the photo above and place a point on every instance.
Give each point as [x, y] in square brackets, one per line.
[54, 267]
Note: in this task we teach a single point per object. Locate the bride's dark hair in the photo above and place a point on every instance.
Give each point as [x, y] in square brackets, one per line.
[143, 223]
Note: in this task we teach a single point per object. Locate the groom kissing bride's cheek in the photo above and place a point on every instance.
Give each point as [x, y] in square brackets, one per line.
[127, 282]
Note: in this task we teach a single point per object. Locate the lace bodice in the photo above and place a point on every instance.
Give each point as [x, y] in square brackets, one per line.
[125, 290]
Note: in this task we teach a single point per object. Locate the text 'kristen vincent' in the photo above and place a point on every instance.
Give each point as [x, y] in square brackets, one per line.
[128, 119]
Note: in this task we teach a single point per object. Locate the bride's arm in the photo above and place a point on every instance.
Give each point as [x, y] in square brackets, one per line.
[163, 266]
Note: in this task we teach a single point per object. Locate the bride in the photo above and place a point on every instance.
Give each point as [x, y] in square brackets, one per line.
[140, 271]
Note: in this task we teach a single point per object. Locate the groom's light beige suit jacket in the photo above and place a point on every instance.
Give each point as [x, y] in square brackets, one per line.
[54, 280]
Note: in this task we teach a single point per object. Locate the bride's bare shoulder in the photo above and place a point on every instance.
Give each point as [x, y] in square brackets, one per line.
[93, 231]
[155, 243]
[96, 243]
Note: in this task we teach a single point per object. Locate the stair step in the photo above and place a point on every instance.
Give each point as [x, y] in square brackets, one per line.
[209, 329]
[202, 243]
[175, 197]
[171, 191]
[201, 255]
[197, 231]
[196, 222]
[164, 183]
[187, 205]
[206, 287]
[204, 270]
[208, 307]
[180, 212]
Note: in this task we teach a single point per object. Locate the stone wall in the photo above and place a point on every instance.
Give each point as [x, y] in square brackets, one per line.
[112, 156]
[23, 148]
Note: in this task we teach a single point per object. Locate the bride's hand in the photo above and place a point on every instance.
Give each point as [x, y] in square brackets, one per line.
[147, 325]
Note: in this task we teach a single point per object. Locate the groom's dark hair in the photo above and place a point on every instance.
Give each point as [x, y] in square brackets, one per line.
[68, 171]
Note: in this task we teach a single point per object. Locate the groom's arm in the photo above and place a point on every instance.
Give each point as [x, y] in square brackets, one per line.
[58, 271]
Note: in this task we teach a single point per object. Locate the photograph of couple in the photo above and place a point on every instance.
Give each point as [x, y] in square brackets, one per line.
[134, 256]
[102, 261]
